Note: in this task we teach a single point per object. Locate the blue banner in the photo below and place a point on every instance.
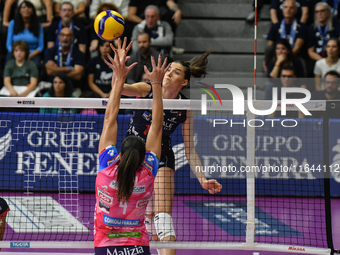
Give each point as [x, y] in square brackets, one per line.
[60, 152]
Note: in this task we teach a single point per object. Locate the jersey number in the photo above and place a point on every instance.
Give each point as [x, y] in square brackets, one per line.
[124, 205]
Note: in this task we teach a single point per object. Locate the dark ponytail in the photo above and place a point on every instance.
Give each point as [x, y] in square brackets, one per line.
[132, 155]
[196, 67]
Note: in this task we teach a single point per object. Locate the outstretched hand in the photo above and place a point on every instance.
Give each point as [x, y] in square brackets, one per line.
[158, 71]
[212, 186]
[117, 64]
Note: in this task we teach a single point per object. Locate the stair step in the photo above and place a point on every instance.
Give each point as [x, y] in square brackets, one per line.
[219, 10]
[217, 44]
[220, 28]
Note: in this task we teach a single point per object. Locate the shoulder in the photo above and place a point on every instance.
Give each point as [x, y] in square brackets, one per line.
[10, 63]
[320, 62]
[47, 95]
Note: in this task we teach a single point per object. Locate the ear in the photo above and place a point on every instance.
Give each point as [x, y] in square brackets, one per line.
[185, 83]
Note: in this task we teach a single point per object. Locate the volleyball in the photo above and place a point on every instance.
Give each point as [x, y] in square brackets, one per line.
[109, 25]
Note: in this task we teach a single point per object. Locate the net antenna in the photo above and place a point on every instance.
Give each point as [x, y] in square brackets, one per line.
[255, 48]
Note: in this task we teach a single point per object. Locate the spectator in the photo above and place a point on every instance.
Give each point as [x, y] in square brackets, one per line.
[288, 79]
[99, 73]
[78, 29]
[277, 6]
[323, 29]
[168, 11]
[20, 74]
[61, 88]
[288, 28]
[331, 62]
[78, 7]
[41, 6]
[331, 91]
[283, 57]
[94, 37]
[66, 58]
[331, 4]
[143, 57]
[26, 26]
[121, 6]
[159, 31]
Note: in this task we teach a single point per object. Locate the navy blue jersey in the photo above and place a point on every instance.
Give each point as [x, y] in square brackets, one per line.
[102, 73]
[141, 121]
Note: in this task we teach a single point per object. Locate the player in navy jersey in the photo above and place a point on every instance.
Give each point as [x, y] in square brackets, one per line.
[176, 78]
[125, 181]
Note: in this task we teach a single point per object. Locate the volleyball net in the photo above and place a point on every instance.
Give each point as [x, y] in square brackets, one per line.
[277, 176]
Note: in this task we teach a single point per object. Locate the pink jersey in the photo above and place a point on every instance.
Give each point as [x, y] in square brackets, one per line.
[120, 223]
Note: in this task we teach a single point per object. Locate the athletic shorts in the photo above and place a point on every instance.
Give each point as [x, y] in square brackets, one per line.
[167, 159]
[3, 207]
[136, 249]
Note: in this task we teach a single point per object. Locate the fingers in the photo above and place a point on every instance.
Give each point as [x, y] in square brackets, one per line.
[119, 44]
[164, 64]
[153, 63]
[112, 46]
[146, 70]
[159, 60]
[124, 43]
[131, 66]
[129, 46]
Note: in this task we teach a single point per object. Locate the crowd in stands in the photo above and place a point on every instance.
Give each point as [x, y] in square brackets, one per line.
[303, 42]
[52, 42]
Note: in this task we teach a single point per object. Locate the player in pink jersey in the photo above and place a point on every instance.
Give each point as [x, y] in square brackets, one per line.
[125, 181]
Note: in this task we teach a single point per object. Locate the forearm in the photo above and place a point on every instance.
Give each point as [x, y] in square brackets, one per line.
[315, 56]
[172, 5]
[276, 71]
[33, 54]
[304, 15]
[49, 10]
[30, 87]
[273, 16]
[112, 107]
[53, 70]
[157, 107]
[74, 75]
[8, 85]
[196, 165]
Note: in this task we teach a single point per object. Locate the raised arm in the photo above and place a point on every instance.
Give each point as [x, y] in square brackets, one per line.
[140, 89]
[154, 138]
[194, 161]
[110, 127]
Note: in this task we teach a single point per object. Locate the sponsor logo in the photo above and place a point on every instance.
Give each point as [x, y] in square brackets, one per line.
[31, 102]
[126, 251]
[293, 248]
[104, 207]
[142, 203]
[105, 197]
[151, 158]
[147, 115]
[148, 166]
[104, 102]
[139, 189]
[116, 222]
[20, 244]
[124, 234]
[114, 184]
